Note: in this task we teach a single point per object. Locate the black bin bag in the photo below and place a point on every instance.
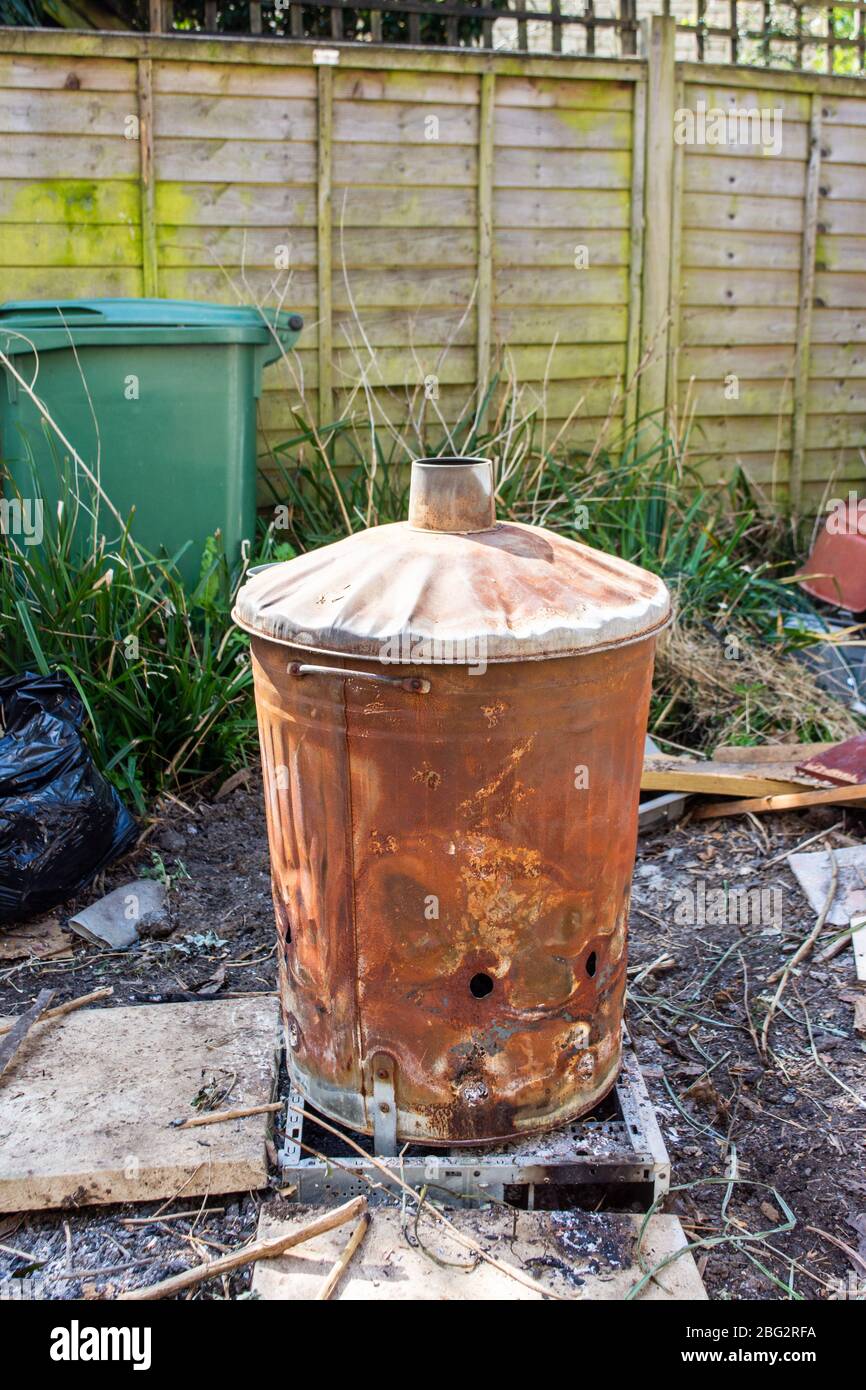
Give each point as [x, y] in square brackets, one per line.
[60, 821]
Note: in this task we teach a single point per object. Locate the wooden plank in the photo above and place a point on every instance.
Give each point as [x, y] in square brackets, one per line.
[791, 801]
[843, 144]
[595, 285]
[396, 84]
[751, 398]
[192, 160]
[324, 196]
[392, 1267]
[66, 1104]
[735, 250]
[844, 110]
[559, 169]
[238, 79]
[149, 262]
[32, 245]
[838, 326]
[523, 246]
[746, 288]
[836, 396]
[663, 774]
[70, 202]
[794, 106]
[840, 289]
[636, 254]
[51, 112]
[660, 37]
[806, 300]
[484, 307]
[47, 72]
[569, 208]
[224, 49]
[551, 92]
[844, 181]
[245, 204]
[838, 360]
[714, 212]
[749, 363]
[841, 216]
[404, 123]
[726, 173]
[69, 156]
[841, 253]
[357, 248]
[769, 752]
[559, 128]
[224, 117]
[677, 285]
[728, 327]
[592, 324]
[70, 282]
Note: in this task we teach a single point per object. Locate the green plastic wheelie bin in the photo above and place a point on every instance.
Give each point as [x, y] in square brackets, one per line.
[157, 397]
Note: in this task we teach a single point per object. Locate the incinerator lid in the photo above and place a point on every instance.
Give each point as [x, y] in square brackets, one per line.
[453, 576]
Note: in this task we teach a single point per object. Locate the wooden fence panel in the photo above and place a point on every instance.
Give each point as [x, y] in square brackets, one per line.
[435, 215]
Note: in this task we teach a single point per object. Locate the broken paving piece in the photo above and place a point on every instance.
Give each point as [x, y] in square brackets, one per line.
[118, 919]
[86, 1108]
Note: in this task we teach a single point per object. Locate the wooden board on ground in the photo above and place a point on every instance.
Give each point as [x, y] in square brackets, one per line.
[87, 1106]
[769, 752]
[576, 1254]
[666, 774]
[794, 801]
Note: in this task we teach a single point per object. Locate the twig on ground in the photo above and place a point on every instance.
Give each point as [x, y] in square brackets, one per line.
[258, 1250]
[218, 1117]
[852, 1254]
[784, 975]
[67, 1008]
[21, 1027]
[343, 1262]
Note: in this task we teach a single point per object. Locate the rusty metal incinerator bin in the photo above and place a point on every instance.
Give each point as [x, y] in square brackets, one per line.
[452, 714]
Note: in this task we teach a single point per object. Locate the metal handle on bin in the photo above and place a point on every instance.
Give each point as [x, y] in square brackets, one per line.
[417, 685]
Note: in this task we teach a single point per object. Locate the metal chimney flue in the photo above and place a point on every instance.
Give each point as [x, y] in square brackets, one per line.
[452, 494]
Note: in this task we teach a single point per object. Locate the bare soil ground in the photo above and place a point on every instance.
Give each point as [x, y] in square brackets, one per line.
[788, 1125]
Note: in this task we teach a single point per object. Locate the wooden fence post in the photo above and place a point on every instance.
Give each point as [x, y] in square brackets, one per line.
[323, 246]
[658, 204]
[484, 299]
[149, 261]
[804, 314]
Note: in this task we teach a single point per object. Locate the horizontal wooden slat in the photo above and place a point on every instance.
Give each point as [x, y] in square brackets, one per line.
[404, 123]
[744, 288]
[719, 213]
[69, 156]
[30, 245]
[741, 250]
[835, 431]
[69, 201]
[751, 398]
[69, 282]
[560, 287]
[845, 394]
[562, 169]
[844, 181]
[788, 140]
[842, 252]
[220, 117]
[605, 324]
[841, 216]
[843, 110]
[66, 113]
[356, 248]
[726, 173]
[234, 79]
[408, 289]
[794, 106]
[731, 327]
[541, 92]
[402, 85]
[843, 144]
[838, 326]
[838, 359]
[45, 72]
[560, 129]
[250, 205]
[561, 208]
[840, 289]
[716, 363]
[556, 247]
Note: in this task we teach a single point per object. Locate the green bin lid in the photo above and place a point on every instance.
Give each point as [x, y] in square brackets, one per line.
[140, 313]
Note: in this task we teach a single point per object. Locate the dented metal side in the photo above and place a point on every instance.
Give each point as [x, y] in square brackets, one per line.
[451, 875]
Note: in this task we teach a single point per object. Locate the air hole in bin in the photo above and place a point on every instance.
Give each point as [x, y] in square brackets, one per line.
[591, 964]
[480, 985]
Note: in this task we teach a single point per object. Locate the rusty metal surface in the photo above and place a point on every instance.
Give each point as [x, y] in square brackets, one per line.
[509, 593]
[452, 495]
[451, 879]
